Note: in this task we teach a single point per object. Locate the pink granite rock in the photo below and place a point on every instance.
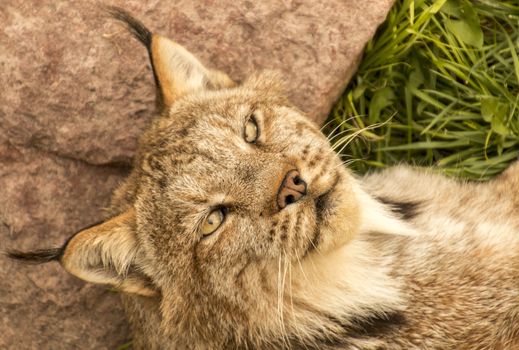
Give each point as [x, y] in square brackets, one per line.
[76, 93]
[44, 198]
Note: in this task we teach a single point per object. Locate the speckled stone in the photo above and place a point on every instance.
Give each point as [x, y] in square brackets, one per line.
[76, 91]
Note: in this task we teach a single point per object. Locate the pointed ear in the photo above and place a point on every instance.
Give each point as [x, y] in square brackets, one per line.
[179, 72]
[108, 253]
[176, 71]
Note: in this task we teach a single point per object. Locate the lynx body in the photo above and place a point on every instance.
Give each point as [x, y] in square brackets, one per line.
[239, 227]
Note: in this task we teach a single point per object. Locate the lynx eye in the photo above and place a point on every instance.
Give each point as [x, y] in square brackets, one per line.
[251, 130]
[213, 221]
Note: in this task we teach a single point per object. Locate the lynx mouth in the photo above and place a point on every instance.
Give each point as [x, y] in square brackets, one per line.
[323, 204]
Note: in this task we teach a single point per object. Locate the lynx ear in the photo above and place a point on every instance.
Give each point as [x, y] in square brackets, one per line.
[108, 253]
[177, 72]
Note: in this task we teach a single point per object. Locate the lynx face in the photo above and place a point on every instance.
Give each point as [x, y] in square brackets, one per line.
[224, 156]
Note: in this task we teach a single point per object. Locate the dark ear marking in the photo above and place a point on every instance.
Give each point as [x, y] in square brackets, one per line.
[136, 27]
[145, 36]
[39, 256]
[176, 71]
[42, 256]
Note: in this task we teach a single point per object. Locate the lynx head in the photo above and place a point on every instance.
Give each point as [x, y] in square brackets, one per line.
[230, 182]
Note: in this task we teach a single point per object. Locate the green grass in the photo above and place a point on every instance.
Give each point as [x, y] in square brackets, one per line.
[438, 85]
[125, 346]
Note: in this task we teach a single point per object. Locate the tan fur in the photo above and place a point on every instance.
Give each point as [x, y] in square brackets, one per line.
[179, 72]
[340, 269]
[109, 244]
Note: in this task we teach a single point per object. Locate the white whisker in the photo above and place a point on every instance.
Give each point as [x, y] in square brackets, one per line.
[348, 139]
[338, 126]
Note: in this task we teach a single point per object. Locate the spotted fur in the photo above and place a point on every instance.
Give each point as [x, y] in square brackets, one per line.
[401, 259]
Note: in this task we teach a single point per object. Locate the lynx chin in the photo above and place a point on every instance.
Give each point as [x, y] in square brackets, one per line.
[240, 228]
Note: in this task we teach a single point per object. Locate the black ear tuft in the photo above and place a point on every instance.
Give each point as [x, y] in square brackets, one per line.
[39, 256]
[135, 26]
[143, 34]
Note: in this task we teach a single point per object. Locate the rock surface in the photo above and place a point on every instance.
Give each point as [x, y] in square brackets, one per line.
[76, 93]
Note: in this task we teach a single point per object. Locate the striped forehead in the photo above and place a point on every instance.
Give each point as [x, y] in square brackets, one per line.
[206, 176]
[212, 140]
[220, 133]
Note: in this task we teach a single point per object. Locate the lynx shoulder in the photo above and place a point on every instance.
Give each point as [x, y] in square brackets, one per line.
[239, 227]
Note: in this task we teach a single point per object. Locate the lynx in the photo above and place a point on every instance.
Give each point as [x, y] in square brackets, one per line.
[240, 228]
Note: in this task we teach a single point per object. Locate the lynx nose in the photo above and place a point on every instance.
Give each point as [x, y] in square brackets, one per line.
[292, 189]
